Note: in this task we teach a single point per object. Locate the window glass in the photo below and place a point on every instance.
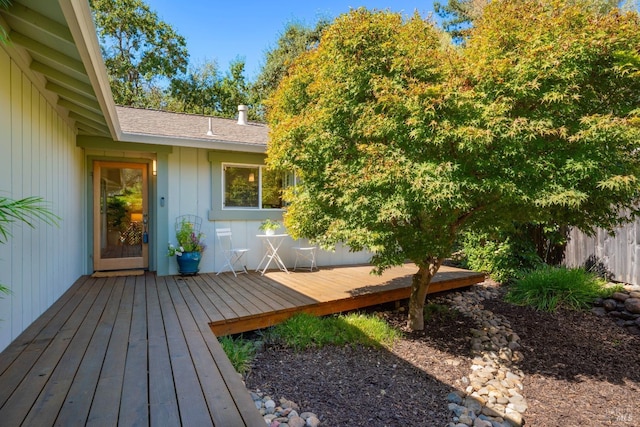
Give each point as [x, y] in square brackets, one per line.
[241, 186]
[271, 189]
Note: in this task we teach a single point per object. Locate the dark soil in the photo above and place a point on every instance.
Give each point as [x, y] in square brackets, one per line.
[581, 370]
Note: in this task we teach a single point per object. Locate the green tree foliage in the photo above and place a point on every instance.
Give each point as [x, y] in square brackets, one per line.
[296, 39]
[233, 89]
[204, 90]
[403, 141]
[196, 89]
[458, 15]
[138, 48]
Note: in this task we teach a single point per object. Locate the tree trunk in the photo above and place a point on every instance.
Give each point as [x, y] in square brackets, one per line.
[419, 287]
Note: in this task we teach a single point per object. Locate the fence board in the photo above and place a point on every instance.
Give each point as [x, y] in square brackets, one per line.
[617, 256]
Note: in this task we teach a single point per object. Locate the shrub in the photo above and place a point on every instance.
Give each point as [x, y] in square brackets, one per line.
[240, 352]
[548, 288]
[504, 257]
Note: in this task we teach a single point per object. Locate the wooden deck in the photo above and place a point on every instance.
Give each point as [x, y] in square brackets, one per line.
[254, 302]
[139, 350]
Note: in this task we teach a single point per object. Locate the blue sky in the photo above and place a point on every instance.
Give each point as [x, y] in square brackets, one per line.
[224, 30]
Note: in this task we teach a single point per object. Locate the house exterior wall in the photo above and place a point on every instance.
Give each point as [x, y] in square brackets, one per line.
[195, 188]
[38, 157]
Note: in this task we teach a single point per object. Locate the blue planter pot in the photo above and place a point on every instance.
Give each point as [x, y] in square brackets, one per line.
[188, 263]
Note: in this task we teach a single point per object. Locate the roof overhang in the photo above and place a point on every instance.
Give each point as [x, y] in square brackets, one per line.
[208, 144]
[56, 46]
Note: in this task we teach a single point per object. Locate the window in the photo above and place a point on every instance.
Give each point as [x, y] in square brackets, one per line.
[252, 187]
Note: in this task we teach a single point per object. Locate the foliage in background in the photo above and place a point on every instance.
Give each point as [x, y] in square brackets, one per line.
[296, 39]
[240, 352]
[458, 16]
[503, 255]
[195, 90]
[549, 288]
[403, 141]
[203, 90]
[138, 48]
[233, 90]
[305, 331]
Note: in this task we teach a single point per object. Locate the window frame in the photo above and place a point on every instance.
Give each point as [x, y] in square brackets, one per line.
[259, 207]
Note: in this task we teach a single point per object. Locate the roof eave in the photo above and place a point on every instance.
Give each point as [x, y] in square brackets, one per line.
[78, 16]
[208, 144]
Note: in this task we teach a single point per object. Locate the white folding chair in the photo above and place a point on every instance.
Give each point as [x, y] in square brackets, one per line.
[306, 254]
[231, 255]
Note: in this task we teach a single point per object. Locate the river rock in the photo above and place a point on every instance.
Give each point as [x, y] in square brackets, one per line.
[632, 305]
[313, 421]
[626, 315]
[620, 296]
[514, 418]
[610, 304]
[479, 422]
[473, 405]
[296, 422]
[454, 398]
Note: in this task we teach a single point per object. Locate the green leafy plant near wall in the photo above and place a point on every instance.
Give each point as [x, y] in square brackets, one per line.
[4, 37]
[27, 211]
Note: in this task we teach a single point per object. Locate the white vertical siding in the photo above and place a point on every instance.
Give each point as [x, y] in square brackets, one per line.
[191, 192]
[38, 157]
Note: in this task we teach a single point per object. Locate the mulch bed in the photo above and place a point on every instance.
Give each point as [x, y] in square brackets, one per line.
[581, 370]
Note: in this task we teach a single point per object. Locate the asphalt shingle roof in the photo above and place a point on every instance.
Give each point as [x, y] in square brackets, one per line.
[190, 126]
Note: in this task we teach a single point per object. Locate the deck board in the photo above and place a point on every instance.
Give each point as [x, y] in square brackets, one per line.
[163, 402]
[219, 399]
[133, 402]
[140, 350]
[37, 377]
[193, 407]
[327, 291]
[75, 409]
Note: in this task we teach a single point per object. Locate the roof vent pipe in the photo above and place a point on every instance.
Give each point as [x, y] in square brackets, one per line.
[210, 131]
[242, 114]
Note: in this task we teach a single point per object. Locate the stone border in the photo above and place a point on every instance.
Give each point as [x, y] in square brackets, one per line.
[493, 395]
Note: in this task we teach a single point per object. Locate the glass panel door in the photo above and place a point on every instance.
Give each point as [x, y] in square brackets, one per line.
[120, 216]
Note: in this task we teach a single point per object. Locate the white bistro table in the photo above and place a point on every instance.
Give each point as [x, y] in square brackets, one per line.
[272, 243]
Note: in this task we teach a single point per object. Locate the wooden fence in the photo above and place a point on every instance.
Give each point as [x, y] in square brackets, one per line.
[617, 256]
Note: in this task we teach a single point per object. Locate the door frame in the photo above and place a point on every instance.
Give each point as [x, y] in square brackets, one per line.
[100, 264]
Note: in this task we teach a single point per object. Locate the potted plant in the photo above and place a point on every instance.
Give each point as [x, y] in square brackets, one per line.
[269, 226]
[190, 246]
